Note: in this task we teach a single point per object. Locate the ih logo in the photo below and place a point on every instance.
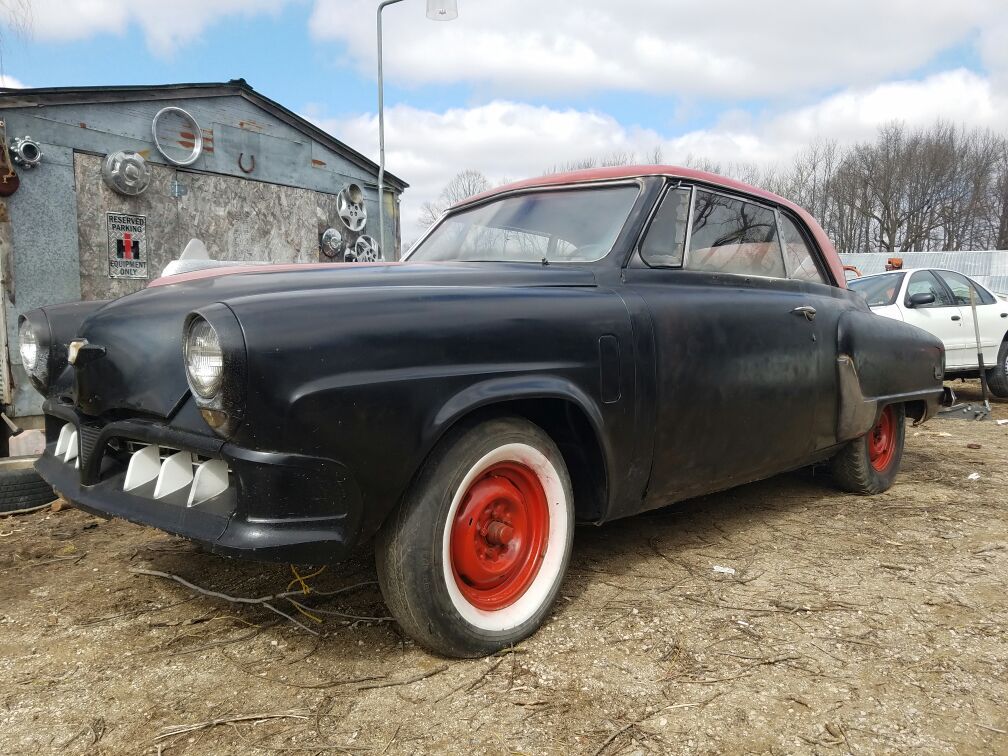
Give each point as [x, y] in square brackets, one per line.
[127, 248]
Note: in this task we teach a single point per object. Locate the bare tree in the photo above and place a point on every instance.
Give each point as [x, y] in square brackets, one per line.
[920, 189]
[620, 157]
[940, 187]
[462, 186]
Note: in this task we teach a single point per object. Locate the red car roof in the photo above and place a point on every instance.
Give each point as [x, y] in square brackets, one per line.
[674, 171]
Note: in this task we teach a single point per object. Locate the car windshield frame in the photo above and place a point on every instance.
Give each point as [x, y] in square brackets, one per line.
[634, 188]
[898, 275]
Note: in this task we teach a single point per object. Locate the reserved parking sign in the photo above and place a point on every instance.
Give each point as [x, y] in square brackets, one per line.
[127, 245]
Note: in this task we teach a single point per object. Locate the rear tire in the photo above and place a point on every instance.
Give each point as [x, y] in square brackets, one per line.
[474, 556]
[997, 376]
[869, 464]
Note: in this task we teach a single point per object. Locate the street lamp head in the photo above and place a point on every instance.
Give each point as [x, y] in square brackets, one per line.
[442, 10]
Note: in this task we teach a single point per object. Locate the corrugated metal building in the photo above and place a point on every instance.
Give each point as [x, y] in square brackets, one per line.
[986, 267]
[124, 177]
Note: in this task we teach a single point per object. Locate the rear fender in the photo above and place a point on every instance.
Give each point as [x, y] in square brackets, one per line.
[882, 361]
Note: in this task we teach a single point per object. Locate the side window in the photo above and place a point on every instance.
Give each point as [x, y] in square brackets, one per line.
[960, 286]
[924, 282]
[798, 257]
[665, 241]
[732, 236]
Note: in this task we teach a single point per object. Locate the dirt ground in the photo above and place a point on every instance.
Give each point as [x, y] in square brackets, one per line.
[850, 625]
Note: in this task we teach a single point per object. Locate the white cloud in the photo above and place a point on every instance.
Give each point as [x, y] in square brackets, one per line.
[165, 24]
[10, 82]
[721, 48]
[512, 140]
[504, 140]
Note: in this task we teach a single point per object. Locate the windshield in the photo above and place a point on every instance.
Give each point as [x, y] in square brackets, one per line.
[576, 225]
[878, 290]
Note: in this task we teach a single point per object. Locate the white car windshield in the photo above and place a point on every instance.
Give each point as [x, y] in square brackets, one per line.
[878, 290]
[571, 225]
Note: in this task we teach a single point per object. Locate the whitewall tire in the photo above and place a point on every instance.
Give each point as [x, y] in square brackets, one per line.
[474, 557]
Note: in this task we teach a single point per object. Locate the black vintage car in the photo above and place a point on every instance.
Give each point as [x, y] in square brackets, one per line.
[576, 348]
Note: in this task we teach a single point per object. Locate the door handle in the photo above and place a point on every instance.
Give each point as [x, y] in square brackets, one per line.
[808, 311]
[956, 317]
[1004, 314]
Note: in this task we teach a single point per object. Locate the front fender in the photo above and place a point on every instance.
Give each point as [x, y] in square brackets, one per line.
[512, 388]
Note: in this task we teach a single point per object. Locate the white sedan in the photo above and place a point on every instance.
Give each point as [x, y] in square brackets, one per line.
[939, 302]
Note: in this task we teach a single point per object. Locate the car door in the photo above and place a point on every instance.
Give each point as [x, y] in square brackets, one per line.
[943, 317]
[735, 355]
[807, 268]
[992, 319]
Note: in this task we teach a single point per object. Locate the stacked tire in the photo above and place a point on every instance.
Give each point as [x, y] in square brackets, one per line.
[23, 489]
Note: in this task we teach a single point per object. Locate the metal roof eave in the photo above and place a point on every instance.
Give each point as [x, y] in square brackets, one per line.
[42, 96]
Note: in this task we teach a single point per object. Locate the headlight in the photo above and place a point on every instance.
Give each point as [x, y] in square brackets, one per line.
[213, 350]
[29, 346]
[204, 358]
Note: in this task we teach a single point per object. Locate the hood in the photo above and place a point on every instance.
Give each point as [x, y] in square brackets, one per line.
[142, 371]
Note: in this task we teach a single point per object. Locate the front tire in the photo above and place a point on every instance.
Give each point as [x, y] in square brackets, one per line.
[869, 464]
[997, 376]
[474, 556]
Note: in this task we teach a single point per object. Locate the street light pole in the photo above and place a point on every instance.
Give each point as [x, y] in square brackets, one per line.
[437, 10]
[381, 132]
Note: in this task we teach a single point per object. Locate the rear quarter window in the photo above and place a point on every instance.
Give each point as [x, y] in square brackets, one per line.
[800, 259]
[730, 235]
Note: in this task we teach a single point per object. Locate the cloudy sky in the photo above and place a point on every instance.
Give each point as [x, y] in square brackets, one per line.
[515, 86]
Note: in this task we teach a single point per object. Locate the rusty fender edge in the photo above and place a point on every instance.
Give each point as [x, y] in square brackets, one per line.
[858, 414]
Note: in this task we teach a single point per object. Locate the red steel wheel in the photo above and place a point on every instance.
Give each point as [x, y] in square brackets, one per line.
[474, 557]
[882, 441]
[499, 536]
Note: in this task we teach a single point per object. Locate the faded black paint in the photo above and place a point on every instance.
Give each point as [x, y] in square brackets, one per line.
[691, 382]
